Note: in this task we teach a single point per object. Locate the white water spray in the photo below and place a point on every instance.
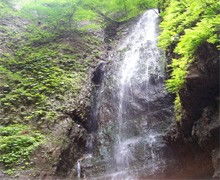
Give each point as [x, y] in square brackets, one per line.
[78, 169]
[139, 64]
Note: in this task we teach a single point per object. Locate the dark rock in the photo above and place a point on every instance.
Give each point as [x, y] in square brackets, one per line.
[197, 135]
[98, 73]
[111, 31]
[2, 175]
[73, 151]
[191, 161]
[202, 86]
[216, 162]
[206, 130]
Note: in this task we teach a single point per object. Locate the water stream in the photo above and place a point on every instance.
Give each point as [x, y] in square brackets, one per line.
[141, 74]
[143, 34]
[133, 108]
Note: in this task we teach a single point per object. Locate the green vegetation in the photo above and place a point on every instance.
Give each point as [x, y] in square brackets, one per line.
[186, 26]
[34, 75]
[5, 9]
[17, 142]
[70, 13]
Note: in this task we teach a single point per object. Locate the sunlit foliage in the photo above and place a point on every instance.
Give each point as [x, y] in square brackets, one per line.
[186, 26]
[17, 142]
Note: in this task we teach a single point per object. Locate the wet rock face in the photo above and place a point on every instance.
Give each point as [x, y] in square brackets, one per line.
[81, 136]
[191, 161]
[207, 129]
[98, 73]
[141, 114]
[202, 86]
[111, 31]
[72, 151]
[196, 138]
[216, 162]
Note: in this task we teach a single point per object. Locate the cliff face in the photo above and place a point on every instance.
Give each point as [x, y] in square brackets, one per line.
[189, 35]
[29, 70]
[195, 139]
[201, 90]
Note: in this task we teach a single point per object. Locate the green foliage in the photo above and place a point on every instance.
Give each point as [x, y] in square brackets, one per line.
[204, 31]
[186, 26]
[121, 9]
[6, 8]
[10, 8]
[179, 67]
[178, 108]
[45, 65]
[43, 71]
[17, 142]
[67, 15]
[39, 36]
[32, 76]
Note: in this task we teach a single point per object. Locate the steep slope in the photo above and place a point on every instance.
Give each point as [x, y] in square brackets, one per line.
[43, 76]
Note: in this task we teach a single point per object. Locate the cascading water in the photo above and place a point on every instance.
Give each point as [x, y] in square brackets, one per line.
[140, 65]
[78, 169]
[133, 108]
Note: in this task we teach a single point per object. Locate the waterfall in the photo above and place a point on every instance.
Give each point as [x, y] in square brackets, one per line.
[133, 108]
[140, 74]
[78, 169]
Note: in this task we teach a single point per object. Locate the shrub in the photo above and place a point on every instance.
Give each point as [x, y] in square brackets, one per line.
[17, 142]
